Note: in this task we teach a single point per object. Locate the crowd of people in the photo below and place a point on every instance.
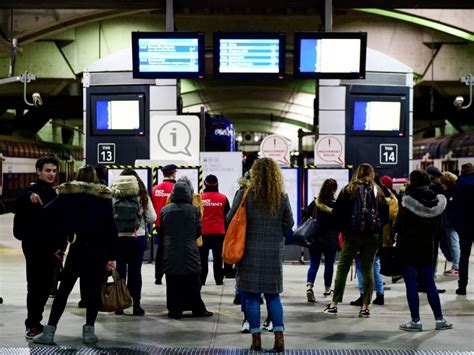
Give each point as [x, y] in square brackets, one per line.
[102, 229]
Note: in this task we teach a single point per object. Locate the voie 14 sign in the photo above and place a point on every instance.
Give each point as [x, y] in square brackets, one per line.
[277, 148]
[388, 154]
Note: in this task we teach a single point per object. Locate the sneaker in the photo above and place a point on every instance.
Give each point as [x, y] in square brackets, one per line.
[330, 310]
[452, 272]
[461, 291]
[138, 311]
[364, 313]
[32, 332]
[411, 326]
[310, 295]
[328, 293]
[237, 299]
[357, 302]
[245, 327]
[443, 324]
[268, 325]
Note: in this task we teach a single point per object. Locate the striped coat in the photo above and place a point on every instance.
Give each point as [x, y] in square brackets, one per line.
[261, 269]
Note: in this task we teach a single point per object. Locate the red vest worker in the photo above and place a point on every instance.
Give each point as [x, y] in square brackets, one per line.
[216, 207]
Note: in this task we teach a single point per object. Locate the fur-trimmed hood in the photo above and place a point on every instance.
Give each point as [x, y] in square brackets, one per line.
[79, 187]
[245, 181]
[125, 186]
[422, 210]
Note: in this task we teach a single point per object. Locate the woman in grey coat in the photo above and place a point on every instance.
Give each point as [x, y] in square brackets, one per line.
[261, 268]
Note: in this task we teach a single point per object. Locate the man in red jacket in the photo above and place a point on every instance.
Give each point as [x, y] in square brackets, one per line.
[216, 207]
[159, 197]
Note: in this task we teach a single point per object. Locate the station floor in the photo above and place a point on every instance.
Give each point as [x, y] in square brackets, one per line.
[308, 330]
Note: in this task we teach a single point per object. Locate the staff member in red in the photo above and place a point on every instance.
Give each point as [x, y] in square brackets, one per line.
[159, 196]
[213, 222]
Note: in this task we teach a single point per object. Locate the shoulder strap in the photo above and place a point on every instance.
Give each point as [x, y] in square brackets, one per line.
[244, 198]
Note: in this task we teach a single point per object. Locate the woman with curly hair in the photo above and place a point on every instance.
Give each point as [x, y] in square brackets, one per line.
[260, 270]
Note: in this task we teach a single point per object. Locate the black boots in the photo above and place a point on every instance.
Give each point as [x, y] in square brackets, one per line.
[379, 299]
[359, 301]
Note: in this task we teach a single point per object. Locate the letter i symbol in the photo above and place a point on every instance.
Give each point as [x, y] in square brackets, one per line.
[173, 134]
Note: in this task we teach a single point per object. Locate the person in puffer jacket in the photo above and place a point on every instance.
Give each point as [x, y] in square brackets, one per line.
[418, 222]
[131, 246]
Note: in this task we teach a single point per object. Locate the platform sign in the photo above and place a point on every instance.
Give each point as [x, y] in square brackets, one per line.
[388, 154]
[106, 153]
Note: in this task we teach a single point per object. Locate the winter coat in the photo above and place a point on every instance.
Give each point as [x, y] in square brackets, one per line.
[260, 269]
[126, 186]
[463, 201]
[83, 215]
[328, 228]
[418, 223]
[28, 222]
[180, 227]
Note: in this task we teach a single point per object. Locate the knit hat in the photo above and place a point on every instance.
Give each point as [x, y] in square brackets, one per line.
[467, 169]
[168, 169]
[211, 180]
[434, 171]
[387, 181]
[419, 178]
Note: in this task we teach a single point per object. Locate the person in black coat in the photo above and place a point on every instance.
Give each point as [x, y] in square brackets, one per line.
[36, 245]
[83, 217]
[326, 243]
[180, 227]
[418, 222]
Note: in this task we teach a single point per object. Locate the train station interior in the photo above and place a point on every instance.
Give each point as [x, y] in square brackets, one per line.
[60, 59]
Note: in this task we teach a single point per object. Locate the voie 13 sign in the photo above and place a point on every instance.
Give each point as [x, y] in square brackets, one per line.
[277, 148]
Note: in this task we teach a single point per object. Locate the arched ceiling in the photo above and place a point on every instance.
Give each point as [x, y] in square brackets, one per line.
[58, 44]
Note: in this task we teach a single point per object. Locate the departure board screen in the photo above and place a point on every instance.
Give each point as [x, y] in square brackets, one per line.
[329, 55]
[168, 55]
[377, 116]
[249, 55]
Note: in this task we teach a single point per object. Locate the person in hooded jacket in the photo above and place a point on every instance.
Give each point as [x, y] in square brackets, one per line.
[82, 215]
[418, 222]
[131, 246]
[180, 228]
[327, 241]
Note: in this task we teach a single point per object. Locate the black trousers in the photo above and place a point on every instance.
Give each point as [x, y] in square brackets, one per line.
[40, 265]
[159, 261]
[89, 265]
[212, 242]
[465, 243]
[184, 292]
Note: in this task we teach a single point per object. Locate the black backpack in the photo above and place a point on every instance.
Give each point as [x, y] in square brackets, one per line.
[127, 215]
[365, 213]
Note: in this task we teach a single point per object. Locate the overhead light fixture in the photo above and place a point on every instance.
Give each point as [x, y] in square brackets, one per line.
[25, 78]
[459, 100]
[239, 138]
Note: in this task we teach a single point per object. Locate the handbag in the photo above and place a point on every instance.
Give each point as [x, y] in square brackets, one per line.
[115, 295]
[306, 233]
[234, 240]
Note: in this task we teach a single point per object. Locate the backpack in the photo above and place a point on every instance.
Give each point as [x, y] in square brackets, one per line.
[127, 215]
[365, 213]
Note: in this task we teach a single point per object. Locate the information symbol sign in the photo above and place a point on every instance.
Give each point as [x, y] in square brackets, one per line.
[388, 154]
[105, 153]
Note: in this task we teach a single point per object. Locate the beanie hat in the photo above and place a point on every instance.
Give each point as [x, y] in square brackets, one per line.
[387, 181]
[434, 171]
[211, 180]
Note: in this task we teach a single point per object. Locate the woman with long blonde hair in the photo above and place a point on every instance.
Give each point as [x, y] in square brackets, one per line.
[361, 210]
[260, 270]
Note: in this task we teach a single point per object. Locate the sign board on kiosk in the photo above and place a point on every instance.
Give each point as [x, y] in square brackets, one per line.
[329, 151]
[227, 167]
[277, 148]
[174, 139]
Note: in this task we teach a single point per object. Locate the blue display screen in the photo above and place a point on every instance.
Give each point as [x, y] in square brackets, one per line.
[117, 115]
[249, 55]
[376, 116]
[163, 55]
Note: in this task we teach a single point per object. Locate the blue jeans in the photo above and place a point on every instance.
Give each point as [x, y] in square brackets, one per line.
[453, 241]
[410, 273]
[315, 252]
[129, 264]
[378, 279]
[274, 309]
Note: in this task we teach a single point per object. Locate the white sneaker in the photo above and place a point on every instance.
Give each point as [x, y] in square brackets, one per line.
[245, 327]
[268, 325]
